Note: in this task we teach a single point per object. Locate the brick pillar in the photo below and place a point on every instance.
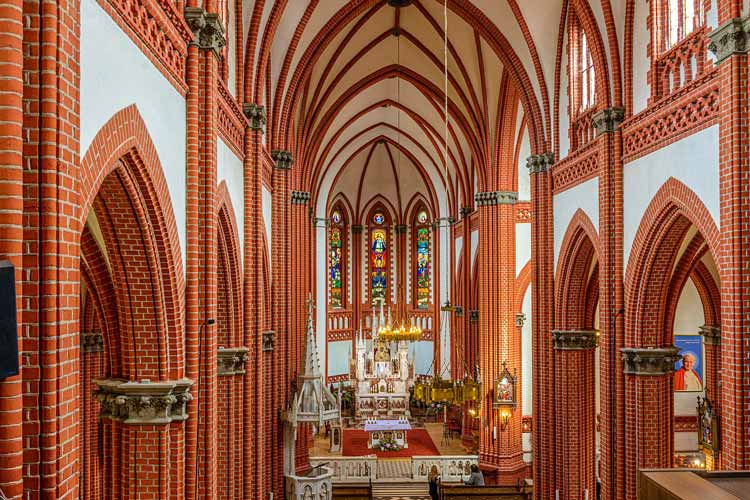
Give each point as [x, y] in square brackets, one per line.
[300, 230]
[354, 294]
[575, 411]
[201, 260]
[730, 44]
[500, 451]
[611, 301]
[92, 367]
[51, 287]
[543, 369]
[253, 423]
[11, 232]
[281, 295]
[712, 349]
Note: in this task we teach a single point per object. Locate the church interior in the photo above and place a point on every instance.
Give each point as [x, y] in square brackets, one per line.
[374, 249]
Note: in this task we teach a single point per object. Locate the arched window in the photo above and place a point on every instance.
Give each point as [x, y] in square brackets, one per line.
[587, 93]
[379, 247]
[422, 260]
[337, 258]
[682, 17]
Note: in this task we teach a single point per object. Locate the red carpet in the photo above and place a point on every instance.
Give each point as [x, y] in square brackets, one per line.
[420, 443]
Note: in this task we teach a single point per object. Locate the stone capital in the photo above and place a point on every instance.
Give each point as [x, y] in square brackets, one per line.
[231, 361]
[269, 340]
[711, 334]
[649, 361]
[400, 228]
[300, 197]
[538, 164]
[730, 38]
[488, 198]
[458, 310]
[358, 228]
[575, 340]
[464, 212]
[474, 315]
[92, 342]
[256, 115]
[207, 29]
[321, 222]
[520, 320]
[144, 402]
[284, 159]
[608, 120]
[442, 222]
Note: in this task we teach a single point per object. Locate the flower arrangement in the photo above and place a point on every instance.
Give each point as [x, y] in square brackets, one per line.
[388, 444]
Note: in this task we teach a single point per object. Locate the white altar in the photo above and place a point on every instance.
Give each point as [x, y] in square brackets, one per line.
[395, 430]
[381, 374]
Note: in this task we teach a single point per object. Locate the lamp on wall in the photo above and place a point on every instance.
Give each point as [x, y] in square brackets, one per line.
[505, 414]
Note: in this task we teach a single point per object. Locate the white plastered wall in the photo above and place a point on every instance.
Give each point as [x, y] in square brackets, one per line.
[267, 203]
[229, 168]
[115, 74]
[584, 196]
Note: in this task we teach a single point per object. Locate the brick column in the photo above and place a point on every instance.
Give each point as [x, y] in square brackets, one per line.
[11, 232]
[500, 451]
[355, 284]
[730, 43]
[92, 367]
[712, 348]
[254, 428]
[542, 300]
[575, 411]
[51, 286]
[201, 260]
[648, 405]
[611, 301]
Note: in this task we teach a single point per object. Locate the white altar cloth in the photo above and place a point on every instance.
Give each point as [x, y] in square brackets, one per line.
[387, 425]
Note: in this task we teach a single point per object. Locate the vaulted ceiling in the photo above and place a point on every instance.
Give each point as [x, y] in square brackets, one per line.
[355, 89]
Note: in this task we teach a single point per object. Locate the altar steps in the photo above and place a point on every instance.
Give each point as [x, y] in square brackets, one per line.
[400, 491]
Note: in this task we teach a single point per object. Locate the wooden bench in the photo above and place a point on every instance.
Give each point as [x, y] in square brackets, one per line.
[351, 492]
[462, 492]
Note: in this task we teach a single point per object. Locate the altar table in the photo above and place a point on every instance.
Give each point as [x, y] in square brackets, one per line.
[387, 429]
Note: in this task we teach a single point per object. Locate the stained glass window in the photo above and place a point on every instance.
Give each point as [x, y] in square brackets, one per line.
[423, 262]
[378, 263]
[336, 244]
[378, 218]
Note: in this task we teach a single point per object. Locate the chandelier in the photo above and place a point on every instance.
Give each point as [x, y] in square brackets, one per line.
[408, 331]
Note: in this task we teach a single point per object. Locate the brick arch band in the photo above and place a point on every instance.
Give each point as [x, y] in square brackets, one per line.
[123, 182]
[579, 251]
[649, 274]
[134, 275]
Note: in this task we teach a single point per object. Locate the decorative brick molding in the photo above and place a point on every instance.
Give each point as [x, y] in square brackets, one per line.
[649, 361]
[145, 402]
[230, 120]
[231, 361]
[694, 107]
[576, 168]
[92, 342]
[256, 115]
[730, 38]
[711, 334]
[607, 120]
[207, 28]
[523, 212]
[520, 320]
[269, 340]
[575, 340]
[540, 163]
[489, 198]
[283, 160]
[300, 197]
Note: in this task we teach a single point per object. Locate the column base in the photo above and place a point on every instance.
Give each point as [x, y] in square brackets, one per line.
[507, 472]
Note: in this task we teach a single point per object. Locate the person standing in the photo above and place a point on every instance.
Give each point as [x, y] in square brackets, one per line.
[433, 479]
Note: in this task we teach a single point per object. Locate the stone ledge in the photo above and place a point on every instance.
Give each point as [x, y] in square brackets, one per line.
[145, 402]
[231, 361]
[575, 340]
[649, 361]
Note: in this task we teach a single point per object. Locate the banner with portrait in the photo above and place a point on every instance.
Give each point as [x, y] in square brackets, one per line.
[688, 375]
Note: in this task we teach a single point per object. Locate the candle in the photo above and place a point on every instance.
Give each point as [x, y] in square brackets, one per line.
[557, 494]
[586, 494]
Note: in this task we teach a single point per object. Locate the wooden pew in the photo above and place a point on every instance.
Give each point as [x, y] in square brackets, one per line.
[351, 492]
[462, 492]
